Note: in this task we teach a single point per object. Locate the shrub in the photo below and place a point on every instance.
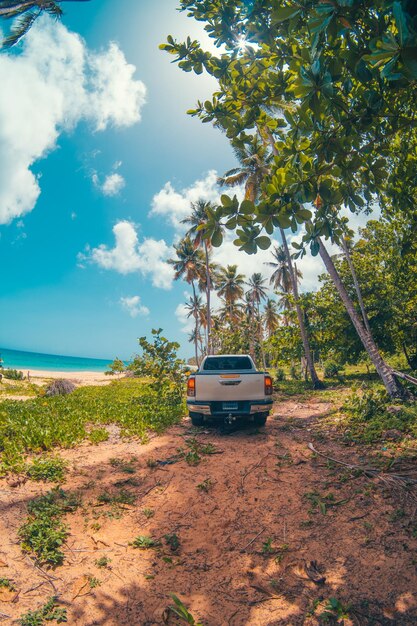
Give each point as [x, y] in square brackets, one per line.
[331, 369]
[59, 387]
[12, 374]
[280, 374]
[295, 373]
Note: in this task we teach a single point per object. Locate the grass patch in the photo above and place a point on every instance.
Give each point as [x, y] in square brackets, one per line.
[43, 532]
[43, 423]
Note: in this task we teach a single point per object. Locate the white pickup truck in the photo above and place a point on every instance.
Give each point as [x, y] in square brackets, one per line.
[228, 386]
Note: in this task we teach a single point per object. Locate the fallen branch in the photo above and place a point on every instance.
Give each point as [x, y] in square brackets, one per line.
[252, 540]
[253, 467]
[406, 377]
[392, 480]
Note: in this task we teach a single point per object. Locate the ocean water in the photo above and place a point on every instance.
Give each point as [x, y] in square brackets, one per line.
[17, 359]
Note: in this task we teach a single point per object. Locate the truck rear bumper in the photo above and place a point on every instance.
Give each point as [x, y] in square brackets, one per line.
[217, 409]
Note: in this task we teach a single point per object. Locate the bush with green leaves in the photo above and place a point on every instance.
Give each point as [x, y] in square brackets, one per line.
[12, 374]
[280, 374]
[331, 368]
[159, 361]
[59, 387]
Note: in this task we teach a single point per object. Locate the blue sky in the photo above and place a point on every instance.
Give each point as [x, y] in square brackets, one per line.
[99, 163]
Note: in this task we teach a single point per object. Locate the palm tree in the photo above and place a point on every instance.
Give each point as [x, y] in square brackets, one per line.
[254, 162]
[193, 306]
[26, 12]
[188, 264]
[198, 222]
[271, 317]
[258, 292]
[230, 285]
[281, 278]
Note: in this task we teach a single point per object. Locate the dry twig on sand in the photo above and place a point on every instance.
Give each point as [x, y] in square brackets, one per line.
[390, 480]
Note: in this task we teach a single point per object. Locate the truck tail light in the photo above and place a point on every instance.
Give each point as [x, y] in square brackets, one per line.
[268, 386]
[191, 387]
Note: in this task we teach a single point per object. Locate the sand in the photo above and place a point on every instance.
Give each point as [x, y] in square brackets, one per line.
[80, 378]
[255, 549]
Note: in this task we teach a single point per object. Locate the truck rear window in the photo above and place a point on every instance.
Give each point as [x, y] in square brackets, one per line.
[221, 363]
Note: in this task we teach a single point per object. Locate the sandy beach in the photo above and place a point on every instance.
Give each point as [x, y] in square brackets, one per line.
[80, 378]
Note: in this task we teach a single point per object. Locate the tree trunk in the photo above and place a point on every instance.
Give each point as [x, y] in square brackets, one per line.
[346, 251]
[196, 328]
[393, 387]
[260, 335]
[208, 289]
[317, 384]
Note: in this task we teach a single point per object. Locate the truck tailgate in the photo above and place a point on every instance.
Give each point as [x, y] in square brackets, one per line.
[227, 387]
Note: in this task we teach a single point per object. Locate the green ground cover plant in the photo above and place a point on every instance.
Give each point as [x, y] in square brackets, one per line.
[49, 612]
[43, 533]
[370, 416]
[51, 469]
[43, 423]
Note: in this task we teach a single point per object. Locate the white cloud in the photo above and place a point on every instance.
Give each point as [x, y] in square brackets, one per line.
[112, 184]
[187, 323]
[175, 205]
[47, 89]
[129, 255]
[132, 304]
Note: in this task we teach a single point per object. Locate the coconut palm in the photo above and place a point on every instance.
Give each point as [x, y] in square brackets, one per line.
[230, 285]
[271, 316]
[189, 262]
[193, 308]
[198, 221]
[257, 292]
[281, 278]
[254, 162]
[26, 12]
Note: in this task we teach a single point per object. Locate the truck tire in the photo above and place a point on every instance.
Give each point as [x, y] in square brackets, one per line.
[259, 419]
[197, 419]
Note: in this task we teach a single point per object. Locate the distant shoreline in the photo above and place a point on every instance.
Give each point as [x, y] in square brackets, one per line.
[82, 377]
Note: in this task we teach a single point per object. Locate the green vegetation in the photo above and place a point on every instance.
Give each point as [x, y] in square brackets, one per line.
[145, 543]
[103, 562]
[44, 423]
[173, 541]
[371, 417]
[115, 499]
[48, 613]
[97, 435]
[12, 374]
[43, 532]
[45, 468]
[181, 611]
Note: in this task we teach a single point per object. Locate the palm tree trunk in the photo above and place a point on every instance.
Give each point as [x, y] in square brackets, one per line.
[196, 328]
[317, 384]
[260, 334]
[345, 249]
[393, 387]
[208, 289]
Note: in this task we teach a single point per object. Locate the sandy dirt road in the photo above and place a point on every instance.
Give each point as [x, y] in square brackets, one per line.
[267, 531]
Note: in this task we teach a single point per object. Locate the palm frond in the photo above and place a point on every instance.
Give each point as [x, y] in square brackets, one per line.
[19, 29]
